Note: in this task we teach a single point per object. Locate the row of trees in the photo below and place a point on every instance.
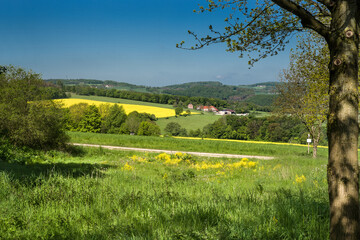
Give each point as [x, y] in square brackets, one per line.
[145, 97]
[272, 129]
[110, 119]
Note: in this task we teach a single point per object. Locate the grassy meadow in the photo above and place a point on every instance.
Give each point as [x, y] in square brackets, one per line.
[192, 122]
[196, 145]
[94, 193]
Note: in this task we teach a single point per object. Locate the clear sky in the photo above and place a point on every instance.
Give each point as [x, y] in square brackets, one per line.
[123, 40]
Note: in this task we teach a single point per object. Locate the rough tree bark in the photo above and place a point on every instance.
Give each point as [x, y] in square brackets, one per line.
[343, 170]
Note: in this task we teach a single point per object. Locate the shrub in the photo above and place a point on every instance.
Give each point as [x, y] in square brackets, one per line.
[27, 116]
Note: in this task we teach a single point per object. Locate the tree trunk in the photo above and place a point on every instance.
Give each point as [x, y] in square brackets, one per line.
[315, 144]
[343, 170]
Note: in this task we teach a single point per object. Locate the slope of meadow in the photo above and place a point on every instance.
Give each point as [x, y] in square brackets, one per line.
[102, 194]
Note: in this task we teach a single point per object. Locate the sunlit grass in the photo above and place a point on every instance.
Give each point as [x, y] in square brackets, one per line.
[196, 144]
[106, 194]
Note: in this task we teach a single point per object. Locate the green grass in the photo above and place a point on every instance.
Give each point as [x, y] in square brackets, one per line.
[198, 145]
[92, 196]
[192, 122]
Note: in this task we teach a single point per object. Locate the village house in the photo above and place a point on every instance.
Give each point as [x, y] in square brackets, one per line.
[207, 108]
[190, 106]
[213, 109]
[226, 112]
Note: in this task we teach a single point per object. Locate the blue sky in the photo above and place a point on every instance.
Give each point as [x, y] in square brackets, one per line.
[123, 40]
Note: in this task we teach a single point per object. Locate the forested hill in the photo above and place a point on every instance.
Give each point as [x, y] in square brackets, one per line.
[208, 89]
[193, 89]
[100, 84]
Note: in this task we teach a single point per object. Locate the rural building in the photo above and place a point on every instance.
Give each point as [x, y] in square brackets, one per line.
[190, 106]
[213, 109]
[207, 108]
[226, 112]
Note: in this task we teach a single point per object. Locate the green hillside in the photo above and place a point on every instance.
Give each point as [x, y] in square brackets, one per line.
[261, 94]
[208, 89]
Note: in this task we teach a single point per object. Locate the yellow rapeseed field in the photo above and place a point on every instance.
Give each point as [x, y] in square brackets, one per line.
[157, 111]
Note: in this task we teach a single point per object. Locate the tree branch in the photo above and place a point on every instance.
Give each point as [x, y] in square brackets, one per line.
[327, 3]
[307, 19]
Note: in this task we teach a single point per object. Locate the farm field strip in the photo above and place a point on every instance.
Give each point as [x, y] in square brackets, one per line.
[157, 111]
[193, 144]
[202, 154]
[249, 141]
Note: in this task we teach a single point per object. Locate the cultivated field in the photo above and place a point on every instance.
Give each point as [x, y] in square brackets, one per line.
[94, 193]
[157, 111]
[192, 122]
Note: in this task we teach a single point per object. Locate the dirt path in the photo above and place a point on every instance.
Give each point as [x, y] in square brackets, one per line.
[173, 152]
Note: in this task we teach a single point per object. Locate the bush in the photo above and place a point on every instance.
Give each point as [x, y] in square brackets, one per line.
[21, 155]
[27, 116]
[148, 129]
[174, 129]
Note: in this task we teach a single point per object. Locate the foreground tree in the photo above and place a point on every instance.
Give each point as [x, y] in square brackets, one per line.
[303, 91]
[265, 26]
[27, 116]
[114, 119]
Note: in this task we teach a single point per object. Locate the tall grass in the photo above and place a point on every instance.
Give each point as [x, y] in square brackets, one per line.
[105, 194]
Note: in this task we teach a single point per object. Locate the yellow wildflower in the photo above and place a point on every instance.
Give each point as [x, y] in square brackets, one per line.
[163, 157]
[171, 161]
[300, 179]
[127, 167]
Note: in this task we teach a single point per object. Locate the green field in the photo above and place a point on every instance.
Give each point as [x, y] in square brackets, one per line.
[195, 145]
[191, 122]
[95, 193]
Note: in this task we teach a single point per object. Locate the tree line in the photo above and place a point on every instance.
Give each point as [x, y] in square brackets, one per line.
[108, 118]
[175, 100]
[272, 129]
[145, 97]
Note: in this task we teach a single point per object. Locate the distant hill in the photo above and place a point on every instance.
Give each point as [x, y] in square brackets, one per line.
[101, 84]
[262, 88]
[208, 89]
